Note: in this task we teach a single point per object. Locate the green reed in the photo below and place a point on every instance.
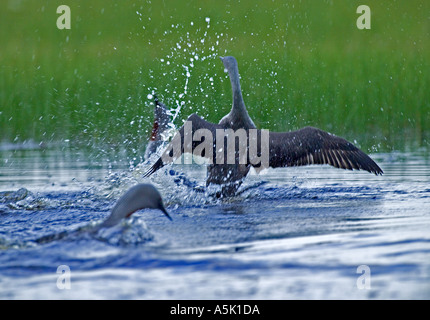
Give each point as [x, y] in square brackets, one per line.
[301, 63]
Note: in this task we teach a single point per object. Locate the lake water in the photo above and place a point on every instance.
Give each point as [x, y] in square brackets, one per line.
[294, 233]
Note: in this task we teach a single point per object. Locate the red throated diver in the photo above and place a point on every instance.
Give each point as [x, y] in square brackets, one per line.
[141, 196]
[305, 146]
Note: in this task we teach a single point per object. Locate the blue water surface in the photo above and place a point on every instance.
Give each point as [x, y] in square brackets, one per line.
[293, 233]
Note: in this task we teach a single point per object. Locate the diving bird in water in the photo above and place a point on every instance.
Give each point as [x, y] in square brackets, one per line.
[306, 146]
[141, 196]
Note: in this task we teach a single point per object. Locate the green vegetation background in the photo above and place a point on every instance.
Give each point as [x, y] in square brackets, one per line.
[301, 63]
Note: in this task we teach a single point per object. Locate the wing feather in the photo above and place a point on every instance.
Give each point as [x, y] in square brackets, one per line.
[310, 145]
[197, 123]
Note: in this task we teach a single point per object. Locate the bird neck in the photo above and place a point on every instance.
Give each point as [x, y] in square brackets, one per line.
[238, 103]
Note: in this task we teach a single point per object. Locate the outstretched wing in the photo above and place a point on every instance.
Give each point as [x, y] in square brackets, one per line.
[184, 142]
[310, 145]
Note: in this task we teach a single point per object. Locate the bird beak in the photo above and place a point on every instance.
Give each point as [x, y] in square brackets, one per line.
[222, 58]
[161, 207]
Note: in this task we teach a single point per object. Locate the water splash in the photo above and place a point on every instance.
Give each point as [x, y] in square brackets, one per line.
[187, 53]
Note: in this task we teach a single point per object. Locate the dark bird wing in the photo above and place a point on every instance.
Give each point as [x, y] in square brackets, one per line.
[184, 142]
[310, 145]
[306, 146]
[157, 165]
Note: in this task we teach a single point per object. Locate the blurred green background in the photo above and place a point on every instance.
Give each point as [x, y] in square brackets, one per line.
[301, 63]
